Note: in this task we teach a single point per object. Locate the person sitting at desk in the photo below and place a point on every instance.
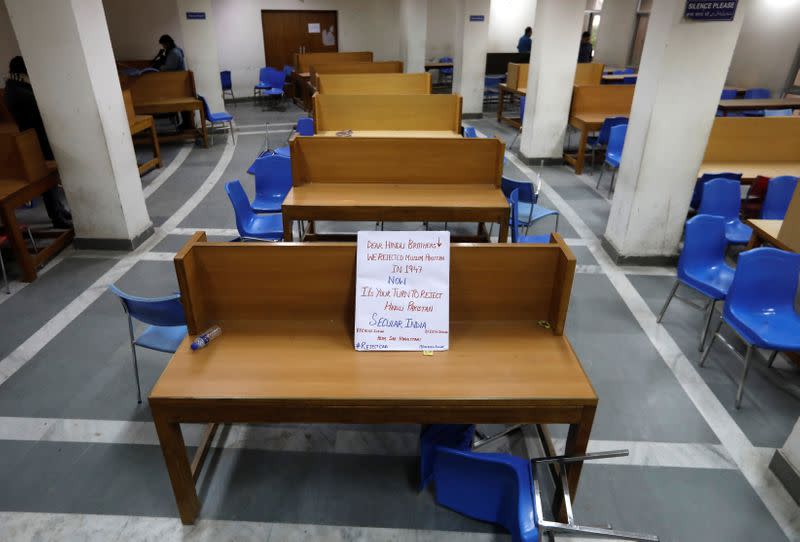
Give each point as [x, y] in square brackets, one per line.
[21, 103]
[524, 43]
[170, 58]
[585, 52]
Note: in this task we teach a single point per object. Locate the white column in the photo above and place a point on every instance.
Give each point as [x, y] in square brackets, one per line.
[200, 46]
[414, 21]
[554, 55]
[615, 33]
[80, 99]
[469, 63]
[682, 74]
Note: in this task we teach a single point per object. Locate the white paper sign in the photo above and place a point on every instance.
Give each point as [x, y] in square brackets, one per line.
[403, 290]
[313, 28]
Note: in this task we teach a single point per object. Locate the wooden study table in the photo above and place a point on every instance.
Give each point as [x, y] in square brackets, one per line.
[437, 65]
[24, 175]
[751, 169]
[286, 353]
[304, 62]
[139, 124]
[614, 78]
[374, 84]
[766, 231]
[750, 104]
[396, 179]
[516, 122]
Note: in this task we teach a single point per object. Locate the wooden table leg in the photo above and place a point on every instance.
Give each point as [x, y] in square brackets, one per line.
[203, 128]
[577, 442]
[180, 472]
[288, 225]
[156, 146]
[581, 155]
[753, 242]
[21, 253]
[501, 97]
[502, 235]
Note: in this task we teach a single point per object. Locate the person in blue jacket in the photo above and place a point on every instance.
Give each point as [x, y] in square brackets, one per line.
[524, 43]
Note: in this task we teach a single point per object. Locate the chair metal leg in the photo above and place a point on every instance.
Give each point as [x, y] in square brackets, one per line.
[211, 132]
[771, 359]
[591, 171]
[666, 303]
[33, 241]
[613, 180]
[557, 217]
[600, 178]
[709, 313]
[5, 277]
[710, 344]
[233, 131]
[135, 361]
[747, 359]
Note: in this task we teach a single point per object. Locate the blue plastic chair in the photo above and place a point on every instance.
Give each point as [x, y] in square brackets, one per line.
[469, 132]
[288, 70]
[702, 265]
[529, 211]
[263, 81]
[456, 436]
[624, 71]
[616, 140]
[218, 118]
[778, 112]
[491, 87]
[448, 72]
[166, 325]
[760, 306]
[756, 94]
[513, 201]
[601, 139]
[251, 225]
[276, 80]
[305, 126]
[273, 182]
[779, 195]
[697, 195]
[728, 94]
[227, 84]
[722, 197]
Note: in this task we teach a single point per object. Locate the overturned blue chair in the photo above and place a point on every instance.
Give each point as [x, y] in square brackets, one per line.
[273, 181]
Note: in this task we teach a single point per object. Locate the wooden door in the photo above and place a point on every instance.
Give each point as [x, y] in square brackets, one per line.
[286, 32]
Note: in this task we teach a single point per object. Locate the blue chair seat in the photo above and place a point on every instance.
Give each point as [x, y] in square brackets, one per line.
[283, 151]
[266, 204]
[261, 86]
[275, 92]
[252, 169]
[533, 239]
[736, 232]
[161, 338]
[539, 212]
[612, 159]
[219, 117]
[712, 282]
[267, 227]
[764, 330]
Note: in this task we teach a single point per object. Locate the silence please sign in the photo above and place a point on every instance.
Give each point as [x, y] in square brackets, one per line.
[403, 291]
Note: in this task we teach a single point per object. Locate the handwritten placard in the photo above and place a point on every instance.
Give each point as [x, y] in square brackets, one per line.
[403, 291]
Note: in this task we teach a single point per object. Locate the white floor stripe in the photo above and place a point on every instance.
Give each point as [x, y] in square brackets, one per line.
[157, 256]
[167, 172]
[262, 132]
[42, 337]
[271, 124]
[753, 462]
[16, 285]
[221, 232]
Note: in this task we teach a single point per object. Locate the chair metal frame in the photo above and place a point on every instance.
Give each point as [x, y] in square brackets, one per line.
[3, 265]
[233, 98]
[212, 123]
[708, 309]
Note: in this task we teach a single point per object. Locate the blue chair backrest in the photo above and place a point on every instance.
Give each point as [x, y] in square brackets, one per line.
[513, 201]
[275, 78]
[522, 108]
[288, 70]
[263, 75]
[526, 193]
[779, 195]
[273, 174]
[225, 79]
[629, 80]
[757, 93]
[624, 71]
[616, 138]
[721, 197]
[446, 59]
[704, 243]
[765, 281]
[728, 94]
[205, 106]
[305, 126]
[469, 131]
[705, 177]
[155, 311]
[778, 112]
[241, 204]
[605, 128]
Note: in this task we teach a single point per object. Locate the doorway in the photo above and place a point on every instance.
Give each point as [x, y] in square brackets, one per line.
[287, 32]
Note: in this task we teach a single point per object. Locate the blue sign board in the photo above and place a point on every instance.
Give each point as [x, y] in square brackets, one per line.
[710, 11]
[476, 18]
[195, 14]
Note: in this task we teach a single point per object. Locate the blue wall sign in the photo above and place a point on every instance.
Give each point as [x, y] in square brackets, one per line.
[195, 14]
[710, 11]
[476, 18]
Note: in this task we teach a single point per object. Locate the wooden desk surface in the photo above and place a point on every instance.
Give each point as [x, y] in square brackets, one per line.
[432, 65]
[770, 103]
[9, 186]
[194, 102]
[481, 196]
[618, 76]
[521, 91]
[267, 361]
[394, 133]
[752, 169]
[593, 120]
[768, 231]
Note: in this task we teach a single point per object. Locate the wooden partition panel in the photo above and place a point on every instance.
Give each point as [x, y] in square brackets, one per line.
[737, 139]
[610, 99]
[589, 74]
[790, 229]
[316, 282]
[392, 66]
[396, 160]
[21, 157]
[381, 83]
[517, 76]
[304, 61]
[154, 87]
[387, 112]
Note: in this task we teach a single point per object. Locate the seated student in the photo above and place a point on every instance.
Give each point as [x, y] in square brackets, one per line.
[585, 52]
[170, 58]
[524, 43]
[22, 105]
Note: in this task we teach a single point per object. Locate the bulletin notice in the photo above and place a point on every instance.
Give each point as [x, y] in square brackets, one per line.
[402, 291]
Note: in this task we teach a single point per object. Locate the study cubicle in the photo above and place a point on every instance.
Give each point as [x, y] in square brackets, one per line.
[589, 73]
[378, 83]
[301, 76]
[408, 115]
[391, 66]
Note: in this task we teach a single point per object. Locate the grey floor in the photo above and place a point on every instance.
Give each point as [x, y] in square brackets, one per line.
[80, 459]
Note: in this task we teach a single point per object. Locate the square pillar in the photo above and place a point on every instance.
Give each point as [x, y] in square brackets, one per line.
[469, 63]
[200, 46]
[414, 21]
[615, 33]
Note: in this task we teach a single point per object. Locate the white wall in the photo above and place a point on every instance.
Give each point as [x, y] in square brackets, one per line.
[8, 43]
[507, 23]
[767, 44]
[363, 26]
[441, 35]
[136, 26]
